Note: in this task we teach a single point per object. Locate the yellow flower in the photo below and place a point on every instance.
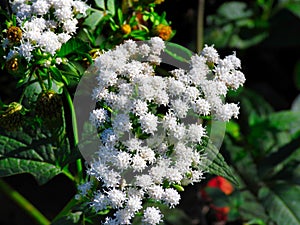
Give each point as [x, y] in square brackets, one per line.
[163, 31]
[126, 29]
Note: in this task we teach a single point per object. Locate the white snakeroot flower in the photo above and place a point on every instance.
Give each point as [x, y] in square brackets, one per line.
[25, 50]
[201, 106]
[134, 203]
[227, 111]
[180, 108]
[116, 197]
[138, 163]
[153, 136]
[156, 192]
[40, 7]
[98, 117]
[122, 160]
[195, 132]
[152, 216]
[83, 189]
[171, 197]
[147, 154]
[121, 123]
[48, 41]
[210, 53]
[46, 24]
[144, 181]
[140, 107]
[80, 7]
[100, 201]
[69, 26]
[149, 123]
[63, 37]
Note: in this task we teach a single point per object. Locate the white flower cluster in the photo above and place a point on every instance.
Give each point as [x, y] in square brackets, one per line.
[150, 131]
[45, 24]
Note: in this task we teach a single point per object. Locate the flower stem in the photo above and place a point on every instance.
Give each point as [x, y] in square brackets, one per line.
[23, 203]
[65, 210]
[200, 25]
[75, 132]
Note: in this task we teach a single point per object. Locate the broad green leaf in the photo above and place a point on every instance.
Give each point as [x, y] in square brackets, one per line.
[271, 164]
[237, 42]
[178, 53]
[249, 207]
[94, 19]
[33, 151]
[43, 172]
[100, 4]
[285, 120]
[111, 7]
[282, 203]
[254, 107]
[294, 7]
[215, 164]
[234, 10]
[75, 46]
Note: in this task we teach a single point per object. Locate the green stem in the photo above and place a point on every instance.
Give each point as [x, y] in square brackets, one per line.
[75, 131]
[200, 24]
[27, 84]
[41, 82]
[65, 210]
[23, 203]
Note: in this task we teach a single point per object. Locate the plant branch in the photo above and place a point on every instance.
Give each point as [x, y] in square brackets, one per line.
[75, 131]
[200, 24]
[23, 203]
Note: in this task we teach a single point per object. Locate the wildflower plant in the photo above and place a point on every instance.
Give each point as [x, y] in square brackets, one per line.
[152, 127]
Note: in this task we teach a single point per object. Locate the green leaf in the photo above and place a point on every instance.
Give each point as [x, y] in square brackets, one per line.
[100, 4]
[94, 18]
[285, 120]
[75, 46]
[178, 52]
[56, 74]
[271, 164]
[234, 10]
[41, 150]
[69, 219]
[120, 16]
[22, 153]
[282, 203]
[111, 7]
[215, 164]
[297, 75]
[294, 7]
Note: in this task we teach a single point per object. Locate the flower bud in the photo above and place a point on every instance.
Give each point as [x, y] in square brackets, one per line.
[13, 117]
[49, 105]
[14, 34]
